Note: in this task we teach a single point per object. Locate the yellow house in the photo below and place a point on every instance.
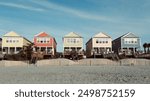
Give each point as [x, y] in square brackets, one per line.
[98, 45]
[12, 43]
[72, 42]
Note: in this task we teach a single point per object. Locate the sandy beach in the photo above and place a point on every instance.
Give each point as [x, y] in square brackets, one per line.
[75, 75]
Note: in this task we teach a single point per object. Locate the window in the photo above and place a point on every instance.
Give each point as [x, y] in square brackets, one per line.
[78, 40]
[37, 40]
[12, 40]
[97, 41]
[74, 40]
[130, 41]
[47, 40]
[43, 40]
[102, 40]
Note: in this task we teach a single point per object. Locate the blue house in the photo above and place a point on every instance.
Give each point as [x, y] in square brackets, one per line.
[127, 44]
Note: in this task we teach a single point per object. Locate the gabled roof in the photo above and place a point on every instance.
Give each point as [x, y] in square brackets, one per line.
[72, 35]
[101, 35]
[130, 35]
[127, 35]
[43, 34]
[12, 34]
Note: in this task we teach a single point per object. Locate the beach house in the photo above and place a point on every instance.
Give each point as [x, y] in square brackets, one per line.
[45, 43]
[98, 45]
[72, 43]
[12, 43]
[127, 44]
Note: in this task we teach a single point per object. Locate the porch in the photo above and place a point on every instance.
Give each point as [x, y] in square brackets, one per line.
[127, 51]
[101, 50]
[11, 50]
[73, 52]
[45, 50]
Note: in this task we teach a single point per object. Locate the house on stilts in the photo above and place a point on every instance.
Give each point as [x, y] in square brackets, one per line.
[46, 44]
[73, 46]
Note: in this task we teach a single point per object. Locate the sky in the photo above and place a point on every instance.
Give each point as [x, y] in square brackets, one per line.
[85, 17]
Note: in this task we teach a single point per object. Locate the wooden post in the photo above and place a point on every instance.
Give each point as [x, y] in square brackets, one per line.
[46, 50]
[15, 50]
[8, 50]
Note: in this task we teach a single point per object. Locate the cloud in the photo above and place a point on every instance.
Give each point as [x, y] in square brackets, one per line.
[21, 6]
[71, 11]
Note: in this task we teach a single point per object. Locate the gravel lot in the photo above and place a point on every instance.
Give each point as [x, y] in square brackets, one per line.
[75, 75]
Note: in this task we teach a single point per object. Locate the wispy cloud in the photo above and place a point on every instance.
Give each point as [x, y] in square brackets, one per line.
[71, 11]
[21, 6]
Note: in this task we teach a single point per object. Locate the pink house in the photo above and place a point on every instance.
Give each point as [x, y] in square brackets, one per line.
[45, 43]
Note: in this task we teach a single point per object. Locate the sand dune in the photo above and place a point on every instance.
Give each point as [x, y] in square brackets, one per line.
[83, 62]
[75, 74]
[63, 71]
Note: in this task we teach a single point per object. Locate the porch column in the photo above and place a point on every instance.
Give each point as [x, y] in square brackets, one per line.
[15, 50]
[52, 51]
[99, 50]
[94, 51]
[2, 50]
[128, 50]
[8, 50]
[105, 50]
[46, 50]
[39, 48]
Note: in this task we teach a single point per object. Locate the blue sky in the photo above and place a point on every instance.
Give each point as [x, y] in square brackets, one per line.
[85, 17]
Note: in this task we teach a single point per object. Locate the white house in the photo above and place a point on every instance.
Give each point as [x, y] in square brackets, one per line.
[99, 44]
